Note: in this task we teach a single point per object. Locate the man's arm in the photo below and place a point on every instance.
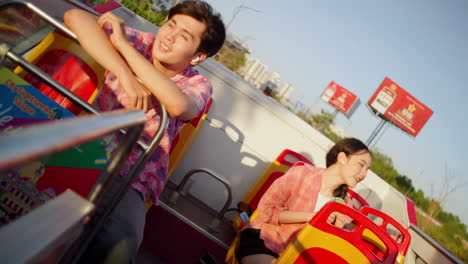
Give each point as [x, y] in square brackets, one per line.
[177, 104]
[97, 44]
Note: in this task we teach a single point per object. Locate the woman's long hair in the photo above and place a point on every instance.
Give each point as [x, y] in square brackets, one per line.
[349, 146]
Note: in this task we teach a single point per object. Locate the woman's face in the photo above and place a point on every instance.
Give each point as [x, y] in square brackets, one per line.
[354, 167]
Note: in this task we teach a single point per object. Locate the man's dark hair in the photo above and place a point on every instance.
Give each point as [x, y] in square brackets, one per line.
[213, 38]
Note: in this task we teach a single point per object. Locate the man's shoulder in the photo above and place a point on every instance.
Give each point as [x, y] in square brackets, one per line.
[190, 77]
[190, 72]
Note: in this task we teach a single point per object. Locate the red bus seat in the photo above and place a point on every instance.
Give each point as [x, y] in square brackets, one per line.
[67, 63]
[283, 162]
[320, 242]
[357, 200]
[402, 239]
[182, 142]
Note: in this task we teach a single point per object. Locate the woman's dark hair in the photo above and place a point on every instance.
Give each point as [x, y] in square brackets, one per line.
[215, 34]
[349, 146]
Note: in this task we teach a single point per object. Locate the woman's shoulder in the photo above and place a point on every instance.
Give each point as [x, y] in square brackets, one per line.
[300, 170]
[307, 167]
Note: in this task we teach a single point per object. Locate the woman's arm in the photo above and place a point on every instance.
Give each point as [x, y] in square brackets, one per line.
[291, 217]
[273, 206]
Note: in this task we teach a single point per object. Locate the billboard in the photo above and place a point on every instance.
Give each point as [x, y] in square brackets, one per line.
[400, 107]
[340, 98]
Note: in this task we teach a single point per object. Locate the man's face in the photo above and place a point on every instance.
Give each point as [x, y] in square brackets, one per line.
[178, 40]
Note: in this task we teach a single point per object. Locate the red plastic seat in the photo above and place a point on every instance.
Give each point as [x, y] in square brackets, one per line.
[354, 196]
[283, 162]
[67, 63]
[321, 242]
[181, 143]
[402, 240]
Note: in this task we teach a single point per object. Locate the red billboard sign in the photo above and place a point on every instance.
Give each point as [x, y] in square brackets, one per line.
[397, 105]
[340, 98]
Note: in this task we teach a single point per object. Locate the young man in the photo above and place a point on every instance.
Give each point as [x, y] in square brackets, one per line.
[163, 63]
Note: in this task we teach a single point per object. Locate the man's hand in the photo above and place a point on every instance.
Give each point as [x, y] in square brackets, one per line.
[139, 97]
[106, 50]
[111, 21]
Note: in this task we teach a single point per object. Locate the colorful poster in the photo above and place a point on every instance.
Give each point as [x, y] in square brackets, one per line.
[400, 107]
[24, 188]
[340, 98]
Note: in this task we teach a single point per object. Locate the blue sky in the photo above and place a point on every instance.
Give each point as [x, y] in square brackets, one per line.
[419, 44]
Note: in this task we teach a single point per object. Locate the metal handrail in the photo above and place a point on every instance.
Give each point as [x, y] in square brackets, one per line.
[435, 244]
[96, 194]
[33, 142]
[225, 182]
[5, 51]
[54, 22]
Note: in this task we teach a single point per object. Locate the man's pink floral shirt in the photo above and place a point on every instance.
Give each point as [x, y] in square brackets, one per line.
[152, 177]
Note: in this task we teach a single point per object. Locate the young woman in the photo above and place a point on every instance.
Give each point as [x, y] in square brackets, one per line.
[292, 200]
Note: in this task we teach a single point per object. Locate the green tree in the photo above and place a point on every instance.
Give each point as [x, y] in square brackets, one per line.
[143, 9]
[159, 17]
[322, 121]
[130, 5]
[232, 58]
[405, 184]
[382, 165]
[419, 199]
[332, 135]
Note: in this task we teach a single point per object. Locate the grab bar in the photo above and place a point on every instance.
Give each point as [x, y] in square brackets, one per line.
[175, 195]
[31, 143]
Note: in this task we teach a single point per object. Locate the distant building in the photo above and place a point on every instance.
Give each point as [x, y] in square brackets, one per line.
[284, 91]
[254, 72]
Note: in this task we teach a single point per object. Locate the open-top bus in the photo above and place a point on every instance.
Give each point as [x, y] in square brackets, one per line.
[220, 165]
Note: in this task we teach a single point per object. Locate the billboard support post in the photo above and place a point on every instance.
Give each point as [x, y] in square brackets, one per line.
[376, 132]
[334, 114]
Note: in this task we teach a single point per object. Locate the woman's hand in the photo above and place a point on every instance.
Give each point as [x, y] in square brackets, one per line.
[116, 24]
[339, 219]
